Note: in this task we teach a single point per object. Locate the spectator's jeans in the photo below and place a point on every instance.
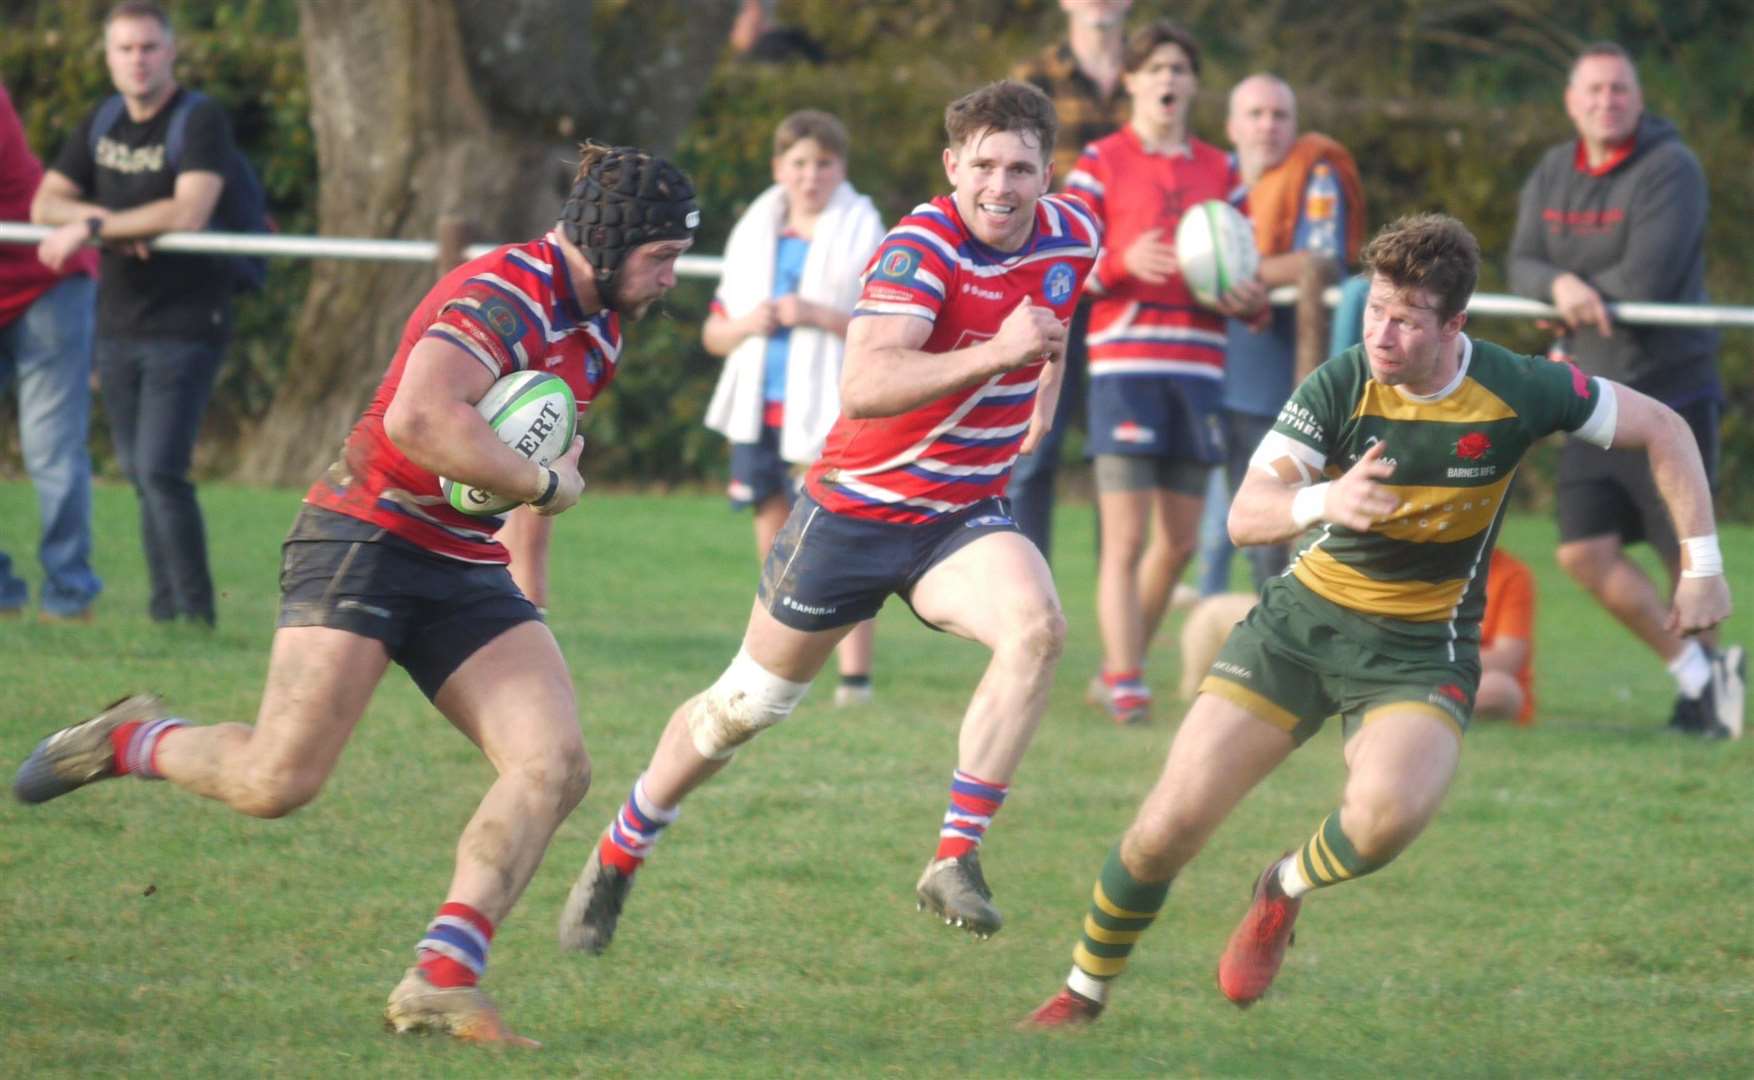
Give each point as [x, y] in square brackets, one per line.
[1243, 432]
[155, 392]
[1031, 488]
[48, 351]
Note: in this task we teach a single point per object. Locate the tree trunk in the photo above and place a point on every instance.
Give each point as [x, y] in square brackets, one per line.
[432, 109]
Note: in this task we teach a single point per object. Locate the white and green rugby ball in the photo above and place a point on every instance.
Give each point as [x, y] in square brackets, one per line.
[534, 413]
[1215, 248]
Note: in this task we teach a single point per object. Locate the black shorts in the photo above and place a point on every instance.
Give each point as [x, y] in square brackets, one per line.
[432, 613]
[828, 570]
[758, 473]
[1611, 492]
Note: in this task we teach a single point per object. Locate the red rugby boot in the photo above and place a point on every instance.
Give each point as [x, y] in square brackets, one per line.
[1257, 947]
[1066, 1009]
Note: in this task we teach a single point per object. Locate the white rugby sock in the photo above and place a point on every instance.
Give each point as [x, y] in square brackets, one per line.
[1691, 669]
[1291, 880]
[1087, 986]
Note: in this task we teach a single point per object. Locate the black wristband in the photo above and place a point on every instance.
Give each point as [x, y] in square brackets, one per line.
[547, 495]
[93, 226]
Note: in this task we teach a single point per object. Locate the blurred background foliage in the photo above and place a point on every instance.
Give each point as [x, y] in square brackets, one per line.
[1446, 105]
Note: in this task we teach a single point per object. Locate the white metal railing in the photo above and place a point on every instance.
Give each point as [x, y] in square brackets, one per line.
[710, 266]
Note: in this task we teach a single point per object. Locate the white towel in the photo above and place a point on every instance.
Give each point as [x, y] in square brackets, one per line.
[846, 234]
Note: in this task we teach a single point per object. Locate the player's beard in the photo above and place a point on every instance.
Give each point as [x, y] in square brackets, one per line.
[618, 303]
[638, 311]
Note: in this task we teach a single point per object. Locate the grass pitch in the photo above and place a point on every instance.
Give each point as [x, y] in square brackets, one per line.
[1580, 908]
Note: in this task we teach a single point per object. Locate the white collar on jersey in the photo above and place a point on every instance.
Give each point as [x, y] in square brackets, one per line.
[1450, 387]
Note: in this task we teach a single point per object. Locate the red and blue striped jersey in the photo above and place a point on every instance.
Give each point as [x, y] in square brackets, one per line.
[1137, 328]
[512, 309]
[951, 453]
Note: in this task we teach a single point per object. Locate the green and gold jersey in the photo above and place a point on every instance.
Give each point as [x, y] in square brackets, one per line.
[1422, 571]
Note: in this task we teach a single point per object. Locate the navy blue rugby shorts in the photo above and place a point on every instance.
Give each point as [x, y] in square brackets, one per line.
[828, 570]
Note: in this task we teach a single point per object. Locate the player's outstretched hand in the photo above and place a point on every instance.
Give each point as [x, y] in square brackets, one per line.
[1030, 333]
[572, 485]
[1358, 500]
[1700, 604]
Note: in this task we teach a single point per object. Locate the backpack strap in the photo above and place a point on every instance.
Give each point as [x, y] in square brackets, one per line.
[176, 134]
[104, 119]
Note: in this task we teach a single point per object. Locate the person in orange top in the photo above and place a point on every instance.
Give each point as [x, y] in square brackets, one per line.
[1507, 643]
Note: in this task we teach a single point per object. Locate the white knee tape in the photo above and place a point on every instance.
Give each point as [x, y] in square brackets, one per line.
[746, 700]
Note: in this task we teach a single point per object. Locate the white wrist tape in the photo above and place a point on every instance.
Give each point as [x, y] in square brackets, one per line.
[1309, 504]
[1704, 559]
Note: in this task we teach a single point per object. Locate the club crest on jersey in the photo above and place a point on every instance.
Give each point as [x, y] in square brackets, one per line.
[593, 368]
[504, 320]
[898, 264]
[1473, 446]
[1057, 286]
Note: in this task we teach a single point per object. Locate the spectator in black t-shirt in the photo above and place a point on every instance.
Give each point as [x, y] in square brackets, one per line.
[163, 319]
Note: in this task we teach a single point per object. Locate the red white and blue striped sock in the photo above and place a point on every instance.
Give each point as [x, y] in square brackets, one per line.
[636, 828]
[973, 802]
[454, 950]
[135, 745]
[1127, 689]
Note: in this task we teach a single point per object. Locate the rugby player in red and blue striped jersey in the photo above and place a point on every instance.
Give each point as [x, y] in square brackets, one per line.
[952, 368]
[379, 568]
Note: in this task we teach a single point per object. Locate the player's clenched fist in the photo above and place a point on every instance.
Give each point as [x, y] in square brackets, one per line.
[563, 492]
[1030, 333]
[1358, 499]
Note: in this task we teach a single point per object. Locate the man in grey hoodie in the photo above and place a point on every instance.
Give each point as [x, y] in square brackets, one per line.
[1619, 214]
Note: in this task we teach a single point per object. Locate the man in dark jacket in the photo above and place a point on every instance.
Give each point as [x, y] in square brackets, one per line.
[1618, 214]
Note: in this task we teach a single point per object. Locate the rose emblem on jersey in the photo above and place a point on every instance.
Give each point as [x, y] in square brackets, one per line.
[1454, 693]
[1473, 446]
[1059, 283]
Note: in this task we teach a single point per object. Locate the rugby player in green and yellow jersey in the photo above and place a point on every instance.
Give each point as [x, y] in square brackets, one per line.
[1395, 456]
